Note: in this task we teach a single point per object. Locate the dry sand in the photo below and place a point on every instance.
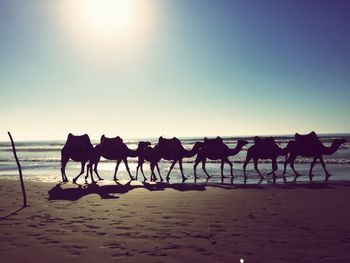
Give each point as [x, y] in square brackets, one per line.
[195, 223]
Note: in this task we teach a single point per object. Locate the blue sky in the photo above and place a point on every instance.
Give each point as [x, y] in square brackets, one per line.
[200, 68]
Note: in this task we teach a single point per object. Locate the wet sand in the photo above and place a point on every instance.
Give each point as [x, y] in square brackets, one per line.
[192, 223]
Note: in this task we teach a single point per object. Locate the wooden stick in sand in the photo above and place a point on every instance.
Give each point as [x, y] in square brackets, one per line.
[19, 170]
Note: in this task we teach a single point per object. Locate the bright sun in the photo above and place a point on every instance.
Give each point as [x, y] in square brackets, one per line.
[107, 16]
[106, 26]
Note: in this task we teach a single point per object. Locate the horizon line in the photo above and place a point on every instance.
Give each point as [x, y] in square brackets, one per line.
[197, 136]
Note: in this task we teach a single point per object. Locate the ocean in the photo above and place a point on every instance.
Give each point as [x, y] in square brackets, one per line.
[40, 161]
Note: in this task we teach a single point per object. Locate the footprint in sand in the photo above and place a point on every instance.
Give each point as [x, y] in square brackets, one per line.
[126, 254]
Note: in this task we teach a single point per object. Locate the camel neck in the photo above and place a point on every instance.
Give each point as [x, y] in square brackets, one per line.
[331, 149]
[234, 151]
[193, 151]
[132, 153]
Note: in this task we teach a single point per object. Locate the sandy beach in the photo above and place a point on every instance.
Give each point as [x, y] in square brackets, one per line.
[175, 223]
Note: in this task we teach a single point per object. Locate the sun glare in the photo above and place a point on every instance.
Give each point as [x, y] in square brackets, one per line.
[107, 16]
[100, 27]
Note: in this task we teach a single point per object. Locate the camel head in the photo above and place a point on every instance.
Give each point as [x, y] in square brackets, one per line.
[338, 142]
[198, 145]
[242, 143]
[143, 144]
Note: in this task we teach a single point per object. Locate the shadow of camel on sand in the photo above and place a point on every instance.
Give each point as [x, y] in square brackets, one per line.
[107, 191]
[73, 192]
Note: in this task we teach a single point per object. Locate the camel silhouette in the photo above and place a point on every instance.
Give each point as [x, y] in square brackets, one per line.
[216, 149]
[77, 148]
[172, 150]
[94, 160]
[152, 155]
[264, 148]
[309, 145]
[115, 149]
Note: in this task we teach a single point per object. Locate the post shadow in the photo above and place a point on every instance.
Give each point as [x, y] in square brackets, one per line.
[12, 214]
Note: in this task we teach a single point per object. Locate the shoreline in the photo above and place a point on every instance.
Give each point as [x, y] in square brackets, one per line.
[202, 223]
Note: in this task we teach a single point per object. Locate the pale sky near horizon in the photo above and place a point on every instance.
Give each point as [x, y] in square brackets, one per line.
[173, 68]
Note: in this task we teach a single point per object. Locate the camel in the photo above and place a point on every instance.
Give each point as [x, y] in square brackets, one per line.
[310, 146]
[98, 152]
[216, 149]
[172, 150]
[264, 148]
[151, 155]
[116, 149]
[77, 148]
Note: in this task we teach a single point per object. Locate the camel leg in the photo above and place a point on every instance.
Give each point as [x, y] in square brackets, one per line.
[184, 178]
[171, 167]
[128, 169]
[231, 166]
[153, 175]
[290, 160]
[196, 162]
[256, 167]
[205, 170]
[286, 161]
[144, 177]
[222, 168]
[96, 172]
[311, 167]
[247, 159]
[89, 170]
[293, 168]
[137, 171]
[116, 170]
[324, 168]
[64, 161]
[274, 169]
[139, 165]
[160, 176]
[150, 168]
[81, 172]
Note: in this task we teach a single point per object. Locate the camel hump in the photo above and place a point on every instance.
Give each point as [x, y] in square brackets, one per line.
[160, 139]
[80, 141]
[214, 140]
[264, 142]
[257, 140]
[72, 137]
[171, 140]
[115, 139]
[307, 138]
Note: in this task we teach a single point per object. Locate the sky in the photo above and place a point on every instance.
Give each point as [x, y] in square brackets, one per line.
[173, 68]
